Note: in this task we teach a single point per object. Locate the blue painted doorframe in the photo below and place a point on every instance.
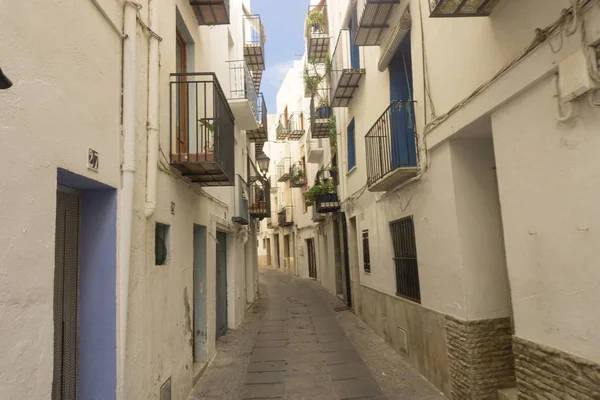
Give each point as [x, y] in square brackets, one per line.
[402, 124]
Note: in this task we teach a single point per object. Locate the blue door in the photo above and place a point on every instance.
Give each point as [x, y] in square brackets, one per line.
[402, 116]
[354, 50]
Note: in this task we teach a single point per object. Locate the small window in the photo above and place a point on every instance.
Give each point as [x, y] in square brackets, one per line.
[351, 146]
[366, 252]
[161, 244]
[405, 258]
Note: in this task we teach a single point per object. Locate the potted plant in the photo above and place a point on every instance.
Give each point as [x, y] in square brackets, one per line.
[323, 191]
[323, 111]
[316, 21]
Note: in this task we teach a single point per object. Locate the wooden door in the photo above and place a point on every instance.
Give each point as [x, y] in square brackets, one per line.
[221, 284]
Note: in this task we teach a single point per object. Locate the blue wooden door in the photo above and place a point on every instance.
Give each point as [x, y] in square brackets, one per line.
[354, 50]
[402, 121]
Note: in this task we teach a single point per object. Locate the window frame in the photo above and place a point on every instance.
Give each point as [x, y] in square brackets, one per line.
[405, 258]
[351, 144]
[366, 251]
[164, 231]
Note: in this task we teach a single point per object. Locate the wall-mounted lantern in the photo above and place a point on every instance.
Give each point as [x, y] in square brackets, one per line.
[462, 8]
[263, 163]
[5, 83]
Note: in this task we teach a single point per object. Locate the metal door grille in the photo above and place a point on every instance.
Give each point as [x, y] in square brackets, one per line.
[64, 385]
[366, 252]
[405, 258]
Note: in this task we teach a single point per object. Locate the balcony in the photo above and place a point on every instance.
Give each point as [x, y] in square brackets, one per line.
[254, 42]
[243, 98]
[298, 175]
[211, 12]
[257, 79]
[318, 217]
[320, 114]
[260, 199]
[284, 169]
[201, 130]
[372, 17]
[317, 33]
[296, 126]
[285, 216]
[391, 147]
[315, 150]
[260, 135]
[283, 128]
[345, 71]
[240, 202]
[328, 201]
[462, 8]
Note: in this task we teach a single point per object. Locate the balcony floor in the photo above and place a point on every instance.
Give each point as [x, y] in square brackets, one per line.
[373, 22]
[320, 128]
[394, 178]
[254, 57]
[257, 135]
[296, 134]
[245, 116]
[349, 80]
[214, 13]
[318, 47]
[203, 173]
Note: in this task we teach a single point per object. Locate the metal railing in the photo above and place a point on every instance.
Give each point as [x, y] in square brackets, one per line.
[240, 202]
[298, 175]
[241, 84]
[262, 111]
[341, 59]
[296, 125]
[283, 126]
[391, 143]
[283, 169]
[254, 32]
[320, 113]
[317, 33]
[202, 123]
[286, 216]
[260, 198]
[317, 216]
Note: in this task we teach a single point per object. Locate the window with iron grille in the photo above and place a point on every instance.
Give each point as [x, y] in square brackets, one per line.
[405, 258]
[366, 252]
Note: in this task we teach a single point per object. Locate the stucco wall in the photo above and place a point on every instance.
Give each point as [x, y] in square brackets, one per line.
[549, 208]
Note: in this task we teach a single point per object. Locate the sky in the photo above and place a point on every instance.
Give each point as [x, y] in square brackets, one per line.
[284, 27]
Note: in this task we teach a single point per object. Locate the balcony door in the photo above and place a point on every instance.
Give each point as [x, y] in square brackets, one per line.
[182, 97]
[402, 126]
[354, 50]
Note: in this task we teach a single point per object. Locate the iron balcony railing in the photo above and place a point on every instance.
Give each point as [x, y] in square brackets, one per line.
[317, 33]
[296, 125]
[260, 199]
[391, 143]
[260, 135]
[201, 129]
[317, 216]
[242, 86]
[327, 202]
[283, 127]
[283, 169]
[286, 216]
[298, 175]
[320, 113]
[262, 111]
[211, 12]
[240, 202]
[462, 8]
[254, 42]
[346, 71]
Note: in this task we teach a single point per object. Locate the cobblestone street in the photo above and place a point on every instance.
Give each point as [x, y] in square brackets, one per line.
[293, 345]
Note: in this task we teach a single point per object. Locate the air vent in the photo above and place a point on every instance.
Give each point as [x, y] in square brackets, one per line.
[165, 390]
[403, 342]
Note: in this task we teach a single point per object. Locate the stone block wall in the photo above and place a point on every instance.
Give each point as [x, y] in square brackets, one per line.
[481, 357]
[544, 372]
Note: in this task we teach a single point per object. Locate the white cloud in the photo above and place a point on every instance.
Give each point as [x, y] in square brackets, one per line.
[274, 75]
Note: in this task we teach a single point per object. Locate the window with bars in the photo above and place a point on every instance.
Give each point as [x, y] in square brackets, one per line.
[161, 244]
[366, 251]
[351, 146]
[405, 258]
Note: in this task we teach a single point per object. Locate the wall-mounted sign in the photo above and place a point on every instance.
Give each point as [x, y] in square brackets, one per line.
[93, 160]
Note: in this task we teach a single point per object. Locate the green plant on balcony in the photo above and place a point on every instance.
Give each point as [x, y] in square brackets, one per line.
[315, 192]
[315, 75]
[333, 134]
[315, 20]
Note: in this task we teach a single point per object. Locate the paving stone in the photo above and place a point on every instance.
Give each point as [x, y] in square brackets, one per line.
[264, 377]
[341, 345]
[267, 366]
[267, 356]
[341, 357]
[263, 391]
[273, 329]
[270, 343]
[272, 336]
[348, 371]
[356, 388]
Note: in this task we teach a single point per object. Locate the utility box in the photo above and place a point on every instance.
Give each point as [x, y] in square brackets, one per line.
[574, 79]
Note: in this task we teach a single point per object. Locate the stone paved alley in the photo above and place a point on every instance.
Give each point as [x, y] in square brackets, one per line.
[293, 345]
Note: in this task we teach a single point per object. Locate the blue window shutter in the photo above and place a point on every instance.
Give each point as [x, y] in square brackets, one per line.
[351, 146]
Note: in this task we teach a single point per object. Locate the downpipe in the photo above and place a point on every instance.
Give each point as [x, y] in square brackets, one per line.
[153, 111]
[128, 180]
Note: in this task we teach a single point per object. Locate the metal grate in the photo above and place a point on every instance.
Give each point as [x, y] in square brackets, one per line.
[405, 257]
[366, 252]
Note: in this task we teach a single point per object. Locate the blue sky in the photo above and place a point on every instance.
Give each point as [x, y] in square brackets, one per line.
[284, 27]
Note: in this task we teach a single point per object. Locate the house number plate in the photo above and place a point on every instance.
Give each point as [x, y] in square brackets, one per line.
[93, 160]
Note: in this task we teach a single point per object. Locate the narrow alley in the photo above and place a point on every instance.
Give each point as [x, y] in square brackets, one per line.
[294, 345]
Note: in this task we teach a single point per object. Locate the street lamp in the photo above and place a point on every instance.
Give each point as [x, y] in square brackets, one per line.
[5, 83]
[462, 8]
[263, 163]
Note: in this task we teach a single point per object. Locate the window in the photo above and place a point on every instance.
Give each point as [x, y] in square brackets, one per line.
[161, 244]
[405, 258]
[366, 252]
[351, 146]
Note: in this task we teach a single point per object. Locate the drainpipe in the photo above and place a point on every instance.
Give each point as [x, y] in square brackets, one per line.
[153, 110]
[128, 180]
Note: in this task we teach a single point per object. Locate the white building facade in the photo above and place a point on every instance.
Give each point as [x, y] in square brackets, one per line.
[465, 140]
[129, 229]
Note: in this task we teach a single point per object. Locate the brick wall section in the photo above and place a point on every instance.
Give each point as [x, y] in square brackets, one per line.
[544, 372]
[481, 357]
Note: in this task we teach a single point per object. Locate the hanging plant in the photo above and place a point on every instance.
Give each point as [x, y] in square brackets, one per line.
[315, 192]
